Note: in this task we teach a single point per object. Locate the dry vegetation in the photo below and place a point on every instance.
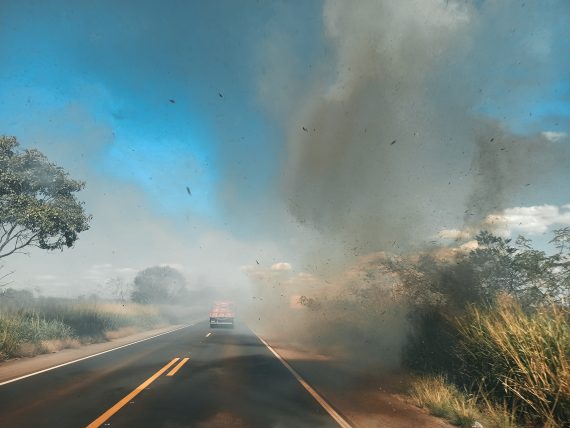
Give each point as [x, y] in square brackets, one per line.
[515, 365]
[487, 329]
[445, 400]
[29, 326]
[522, 359]
[500, 332]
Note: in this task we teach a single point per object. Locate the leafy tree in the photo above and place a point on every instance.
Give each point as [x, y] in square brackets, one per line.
[159, 284]
[530, 275]
[561, 240]
[440, 290]
[11, 295]
[561, 263]
[38, 207]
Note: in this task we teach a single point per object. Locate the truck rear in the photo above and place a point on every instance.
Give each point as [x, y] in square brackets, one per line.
[222, 315]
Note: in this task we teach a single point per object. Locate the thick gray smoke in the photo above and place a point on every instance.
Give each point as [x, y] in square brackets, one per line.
[418, 119]
[505, 166]
[392, 142]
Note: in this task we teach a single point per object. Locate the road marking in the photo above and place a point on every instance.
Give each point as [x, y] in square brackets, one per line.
[209, 334]
[94, 355]
[105, 416]
[178, 367]
[332, 412]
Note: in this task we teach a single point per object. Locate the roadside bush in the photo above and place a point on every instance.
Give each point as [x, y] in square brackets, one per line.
[495, 321]
[445, 400]
[19, 328]
[519, 358]
[90, 320]
[27, 327]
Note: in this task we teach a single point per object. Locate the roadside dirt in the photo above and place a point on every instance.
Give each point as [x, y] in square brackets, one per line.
[368, 397]
[17, 367]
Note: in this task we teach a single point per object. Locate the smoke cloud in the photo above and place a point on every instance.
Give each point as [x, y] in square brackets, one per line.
[409, 125]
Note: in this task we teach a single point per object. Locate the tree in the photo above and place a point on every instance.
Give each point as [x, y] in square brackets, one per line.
[530, 275]
[38, 207]
[4, 276]
[118, 288]
[159, 284]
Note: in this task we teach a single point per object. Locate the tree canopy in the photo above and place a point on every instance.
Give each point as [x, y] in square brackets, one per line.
[38, 206]
[159, 284]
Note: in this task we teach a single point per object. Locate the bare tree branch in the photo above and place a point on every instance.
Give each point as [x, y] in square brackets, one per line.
[4, 276]
[19, 246]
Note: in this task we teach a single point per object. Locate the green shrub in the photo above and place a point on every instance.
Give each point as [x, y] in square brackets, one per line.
[19, 328]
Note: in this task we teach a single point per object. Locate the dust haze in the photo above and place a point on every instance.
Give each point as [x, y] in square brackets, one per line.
[393, 142]
[411, 118]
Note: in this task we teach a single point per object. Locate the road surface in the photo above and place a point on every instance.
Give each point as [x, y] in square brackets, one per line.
[193, 377]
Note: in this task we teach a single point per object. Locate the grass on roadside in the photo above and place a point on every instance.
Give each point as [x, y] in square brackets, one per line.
[521, 358]
[514, 362]
[446, 401]
[45, 325]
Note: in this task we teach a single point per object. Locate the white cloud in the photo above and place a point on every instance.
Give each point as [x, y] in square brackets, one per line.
[45, 277]
[532, 220]
[102, 266]
[173, 265]
[554, 136]
[281, 266]
[100, 273]
[455, 234]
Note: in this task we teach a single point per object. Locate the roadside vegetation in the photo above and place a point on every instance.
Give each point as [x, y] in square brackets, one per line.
[30, 326]
[499, 331]
[487, 327]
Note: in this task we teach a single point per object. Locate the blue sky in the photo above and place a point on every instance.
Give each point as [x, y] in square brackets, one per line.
[174, 84]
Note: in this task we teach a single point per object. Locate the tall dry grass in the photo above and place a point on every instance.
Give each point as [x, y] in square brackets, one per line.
[34, 325]
[443, 399]
[520, 359]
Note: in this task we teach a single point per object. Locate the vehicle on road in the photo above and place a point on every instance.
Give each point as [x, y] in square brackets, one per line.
[222, 315]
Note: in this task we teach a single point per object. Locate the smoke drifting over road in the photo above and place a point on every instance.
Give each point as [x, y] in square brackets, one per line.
[378, 127]
[417, 120]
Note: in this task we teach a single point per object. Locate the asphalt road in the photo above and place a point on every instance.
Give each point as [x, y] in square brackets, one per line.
[194, 377]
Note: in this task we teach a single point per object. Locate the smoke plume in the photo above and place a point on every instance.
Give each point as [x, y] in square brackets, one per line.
[394, 139]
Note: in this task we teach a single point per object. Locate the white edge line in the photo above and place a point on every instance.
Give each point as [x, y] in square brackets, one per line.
[93, 355]
[332, 412]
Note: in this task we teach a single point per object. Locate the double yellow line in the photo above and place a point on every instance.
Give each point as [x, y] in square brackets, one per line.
[105, 416]
[178, 366]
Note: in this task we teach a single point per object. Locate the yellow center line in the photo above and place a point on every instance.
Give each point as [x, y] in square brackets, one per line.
[209, 334]
[178, 366]
[105, 416]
